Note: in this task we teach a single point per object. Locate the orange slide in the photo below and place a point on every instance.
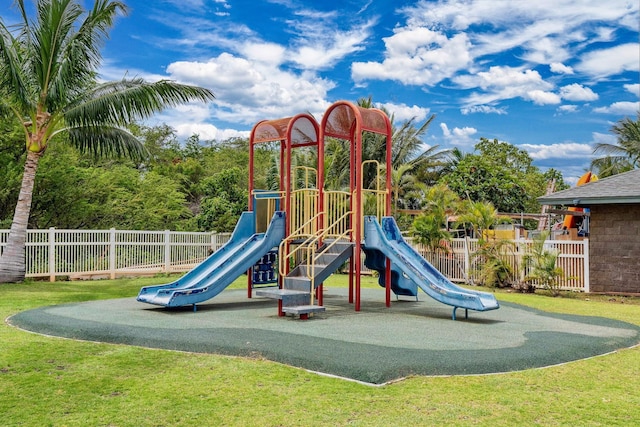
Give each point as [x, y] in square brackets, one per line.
[570, 220]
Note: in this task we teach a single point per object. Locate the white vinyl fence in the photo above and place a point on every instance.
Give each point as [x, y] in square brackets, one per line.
[460, 265]
[112, 253]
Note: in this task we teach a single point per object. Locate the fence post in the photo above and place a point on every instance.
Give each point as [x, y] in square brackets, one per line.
[52, 253]
[467, 260]
[167, 251]
[112, 253]
[585, 263]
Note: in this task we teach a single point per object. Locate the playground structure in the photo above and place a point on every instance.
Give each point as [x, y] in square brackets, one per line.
[317, 229]
[570, 223]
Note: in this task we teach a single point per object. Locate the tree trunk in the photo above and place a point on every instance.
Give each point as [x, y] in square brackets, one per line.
[12, 259]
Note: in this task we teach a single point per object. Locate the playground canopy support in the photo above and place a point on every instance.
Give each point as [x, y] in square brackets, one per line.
[346, 121]
[291, 132]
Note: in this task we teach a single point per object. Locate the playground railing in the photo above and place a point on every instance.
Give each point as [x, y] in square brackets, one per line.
[374, 199]
[336, 203]
[304, 205]
[286, 255]
[337, 233]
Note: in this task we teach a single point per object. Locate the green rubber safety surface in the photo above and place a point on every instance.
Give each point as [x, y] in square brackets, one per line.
[375, 345]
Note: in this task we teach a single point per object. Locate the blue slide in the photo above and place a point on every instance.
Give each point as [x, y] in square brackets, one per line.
[225, 265]
[386, 241]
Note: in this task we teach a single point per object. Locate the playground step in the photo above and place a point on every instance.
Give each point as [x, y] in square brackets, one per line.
[289, 297]
[297, 283]
[303, 310]
[326, 265]
[304, 270]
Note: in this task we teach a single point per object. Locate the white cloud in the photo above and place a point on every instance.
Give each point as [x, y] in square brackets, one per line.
[417, 56]
[559, 68]
[486, 109]
[552, 32]
[207, 132]
[603, 138]
[329, 46]
[633, 88]
[540, 97]
[577, 92]
[403, 112]
[568, 108]
[564, 150]
[458, 136]
[502, 77]
[547, 31]
[248, 91]
[321, 39]
[268, 53]
[623, 108]
[501, 83]
[611, 61]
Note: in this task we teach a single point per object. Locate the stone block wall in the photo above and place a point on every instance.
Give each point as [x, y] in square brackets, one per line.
[614, 248]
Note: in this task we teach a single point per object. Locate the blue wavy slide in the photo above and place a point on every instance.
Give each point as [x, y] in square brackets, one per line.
[386, 240]
[220, 269]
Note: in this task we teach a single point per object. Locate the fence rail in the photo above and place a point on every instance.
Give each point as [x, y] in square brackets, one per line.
[460, 265]
[76, 253]
[112, 253]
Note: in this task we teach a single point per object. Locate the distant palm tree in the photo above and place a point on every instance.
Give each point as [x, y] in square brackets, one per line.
[48, 81]
[430, 228]
[411, 162]
[623, 155]
[481, 216]
[403, 184]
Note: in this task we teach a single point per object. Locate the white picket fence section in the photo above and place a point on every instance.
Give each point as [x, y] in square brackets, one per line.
[114, 253]
[460, 265]
[94, 253]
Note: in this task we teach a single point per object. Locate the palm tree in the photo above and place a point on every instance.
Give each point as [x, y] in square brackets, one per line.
[430, 228]
[48, 82]
[408, 153]
[622, 156]
[481, 216]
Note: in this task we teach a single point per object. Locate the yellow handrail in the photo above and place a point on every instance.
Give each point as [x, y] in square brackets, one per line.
[283, 258]
[312, 244]
[308, 249]
[307, 171]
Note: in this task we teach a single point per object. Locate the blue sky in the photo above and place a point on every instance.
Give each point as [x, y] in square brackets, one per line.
[549, 76]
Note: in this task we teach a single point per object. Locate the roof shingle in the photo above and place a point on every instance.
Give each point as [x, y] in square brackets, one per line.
[616, 189]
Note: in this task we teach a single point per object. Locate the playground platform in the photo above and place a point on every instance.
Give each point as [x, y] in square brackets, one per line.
[376, 345]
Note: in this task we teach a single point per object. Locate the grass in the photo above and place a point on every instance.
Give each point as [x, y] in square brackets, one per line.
[48, 381]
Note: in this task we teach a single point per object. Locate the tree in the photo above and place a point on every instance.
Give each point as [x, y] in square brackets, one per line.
[48, 82]
[430, 228]
[407, 148]
[497, 172]
[225, 197]
[622, 156]
[12, 160]
[543, 265]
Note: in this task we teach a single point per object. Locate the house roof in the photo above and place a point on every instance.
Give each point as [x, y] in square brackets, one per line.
[616, 189]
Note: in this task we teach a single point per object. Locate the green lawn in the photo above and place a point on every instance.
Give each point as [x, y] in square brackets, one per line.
[47, 381]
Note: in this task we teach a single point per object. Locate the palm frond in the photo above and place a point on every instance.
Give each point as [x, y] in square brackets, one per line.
[107, 141]
[129, 100]
[12, 73]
